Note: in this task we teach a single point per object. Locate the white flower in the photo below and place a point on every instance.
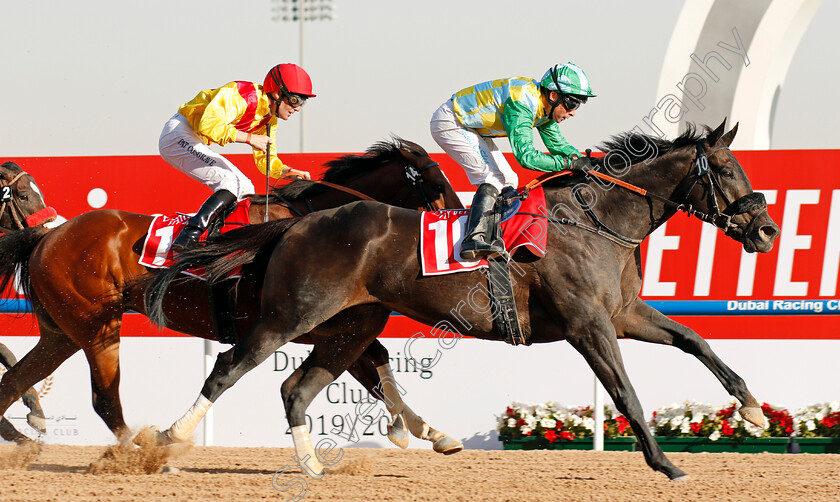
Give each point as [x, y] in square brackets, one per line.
[511, 422]
[530, 421]
[525, 430]
[548, 423]
[685, 428]
[714, 436]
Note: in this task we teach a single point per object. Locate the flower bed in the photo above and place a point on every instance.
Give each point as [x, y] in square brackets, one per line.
[690, 426]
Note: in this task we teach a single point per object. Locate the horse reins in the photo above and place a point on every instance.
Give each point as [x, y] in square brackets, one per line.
[720, 219]
[412, 174]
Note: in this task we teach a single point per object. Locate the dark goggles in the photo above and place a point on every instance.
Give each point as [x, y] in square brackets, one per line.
[295, 100]
[572, 102]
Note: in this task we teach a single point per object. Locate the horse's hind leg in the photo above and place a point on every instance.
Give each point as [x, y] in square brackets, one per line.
[595, 338]
[104, 360]
[52, 349]
[35, 418]
[373, 370]
[231, 365]
[643, 322]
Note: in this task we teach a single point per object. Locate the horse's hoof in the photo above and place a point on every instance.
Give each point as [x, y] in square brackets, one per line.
[447, 445]
[153, 432]
[167, 469]
[398, 432]
[753, 415]
[37, 421]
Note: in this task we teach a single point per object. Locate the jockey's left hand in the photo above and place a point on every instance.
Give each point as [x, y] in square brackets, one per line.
[294, 173]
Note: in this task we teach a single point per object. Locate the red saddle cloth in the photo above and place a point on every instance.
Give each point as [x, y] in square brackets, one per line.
[441, 233]
[156, 249]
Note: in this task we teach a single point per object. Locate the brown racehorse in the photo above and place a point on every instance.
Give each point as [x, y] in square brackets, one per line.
[82, 276]
[585, 290]
[21, 206]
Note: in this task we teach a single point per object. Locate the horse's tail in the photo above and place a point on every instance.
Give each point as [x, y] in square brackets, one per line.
[15, 248]
[220, 256]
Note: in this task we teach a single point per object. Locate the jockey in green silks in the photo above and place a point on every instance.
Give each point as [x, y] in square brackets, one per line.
[465, 125]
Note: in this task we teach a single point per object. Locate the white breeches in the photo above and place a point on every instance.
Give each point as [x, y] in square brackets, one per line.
[184, 150]
[481, 159]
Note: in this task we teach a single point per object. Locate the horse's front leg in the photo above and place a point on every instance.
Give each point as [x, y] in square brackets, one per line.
[373, 370]
[594, 337]
[642, 322]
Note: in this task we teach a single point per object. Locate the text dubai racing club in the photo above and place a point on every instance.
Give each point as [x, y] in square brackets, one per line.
[815, 306]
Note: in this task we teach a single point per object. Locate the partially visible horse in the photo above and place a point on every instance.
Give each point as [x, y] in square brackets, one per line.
[585, 290]
[21, 206]
[82, 276]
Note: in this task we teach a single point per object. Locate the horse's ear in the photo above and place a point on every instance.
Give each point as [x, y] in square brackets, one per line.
[715, 135]
[727, 138]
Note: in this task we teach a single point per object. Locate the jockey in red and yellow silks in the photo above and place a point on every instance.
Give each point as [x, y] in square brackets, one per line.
[236, 112]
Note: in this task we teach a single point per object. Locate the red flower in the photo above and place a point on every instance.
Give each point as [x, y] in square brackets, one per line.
[566, 435]
[695, 427]
[551, 436]
[622, 423]
[520, 422]
[725, 429]
[527, 433]
[510, 412]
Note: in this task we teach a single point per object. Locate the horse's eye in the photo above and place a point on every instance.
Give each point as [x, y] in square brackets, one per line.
[440, 188]
[23, 197]
[727, 173]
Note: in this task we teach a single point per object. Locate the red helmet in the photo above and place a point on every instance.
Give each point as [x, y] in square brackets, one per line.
[292, 77]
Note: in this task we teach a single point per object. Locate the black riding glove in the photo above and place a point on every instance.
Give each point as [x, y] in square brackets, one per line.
[580, 164]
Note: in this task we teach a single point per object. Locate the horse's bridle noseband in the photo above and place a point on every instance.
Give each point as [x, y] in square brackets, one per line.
[718, 218]
[415, 179]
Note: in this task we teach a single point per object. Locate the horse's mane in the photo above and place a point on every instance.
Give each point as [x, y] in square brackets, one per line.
[637, 147]
[342, 169]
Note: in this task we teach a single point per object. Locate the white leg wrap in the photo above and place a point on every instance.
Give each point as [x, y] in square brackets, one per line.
[183, 428]
[393, 399]
[418, 427]
[303, 448]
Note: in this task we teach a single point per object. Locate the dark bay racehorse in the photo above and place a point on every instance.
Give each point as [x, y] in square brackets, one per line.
[21, 206]
[585, 290]
[82, 276]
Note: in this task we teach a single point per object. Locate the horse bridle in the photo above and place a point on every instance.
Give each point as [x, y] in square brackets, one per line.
[8, 201]
[415, 179]
[718, 218]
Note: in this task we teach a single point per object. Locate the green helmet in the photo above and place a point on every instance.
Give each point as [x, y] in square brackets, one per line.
[568, 79]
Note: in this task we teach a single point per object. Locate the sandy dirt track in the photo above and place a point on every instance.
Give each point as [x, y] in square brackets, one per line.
[214, 473]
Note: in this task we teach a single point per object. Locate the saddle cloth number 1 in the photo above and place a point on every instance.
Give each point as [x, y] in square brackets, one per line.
[441, 235]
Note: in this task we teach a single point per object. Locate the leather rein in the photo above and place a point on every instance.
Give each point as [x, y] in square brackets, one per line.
[412, 174]
[718, 218]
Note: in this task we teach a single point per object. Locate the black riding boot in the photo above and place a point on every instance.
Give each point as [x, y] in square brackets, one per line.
[218, 205]
[475, 243]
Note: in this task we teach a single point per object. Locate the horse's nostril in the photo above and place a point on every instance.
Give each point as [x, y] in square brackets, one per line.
[769, 231]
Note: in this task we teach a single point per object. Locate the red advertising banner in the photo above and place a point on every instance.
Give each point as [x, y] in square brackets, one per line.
[692, 272]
